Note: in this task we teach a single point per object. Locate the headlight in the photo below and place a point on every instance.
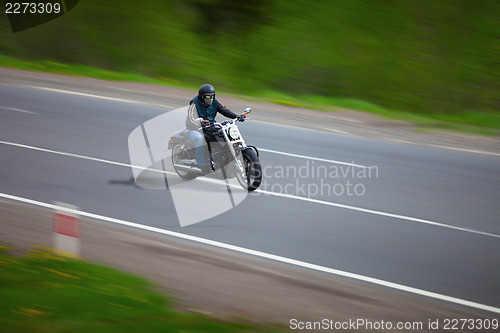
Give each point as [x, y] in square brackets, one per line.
[234, 133]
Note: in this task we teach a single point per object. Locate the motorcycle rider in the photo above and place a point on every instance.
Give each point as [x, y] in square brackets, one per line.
[205, 106]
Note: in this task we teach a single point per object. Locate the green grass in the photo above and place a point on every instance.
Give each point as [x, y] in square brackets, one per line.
[47, 293]
[477, 122]
[425, 57]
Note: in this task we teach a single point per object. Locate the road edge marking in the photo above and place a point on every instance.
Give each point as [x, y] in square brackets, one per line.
[284, 195]
[265, 255]
[312, 158]
[473, 151]
[114, 99]
[377, 212]
[17, 110]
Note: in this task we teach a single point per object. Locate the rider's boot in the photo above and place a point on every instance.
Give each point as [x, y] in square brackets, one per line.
[205, 168]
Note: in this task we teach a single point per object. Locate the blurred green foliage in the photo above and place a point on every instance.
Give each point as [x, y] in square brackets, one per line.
[422, 56]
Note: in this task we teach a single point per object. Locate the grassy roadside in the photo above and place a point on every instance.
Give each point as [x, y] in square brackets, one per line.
[484, 123]
[46, 293]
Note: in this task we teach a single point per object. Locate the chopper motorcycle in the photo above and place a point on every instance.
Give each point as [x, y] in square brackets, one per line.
[227, 152]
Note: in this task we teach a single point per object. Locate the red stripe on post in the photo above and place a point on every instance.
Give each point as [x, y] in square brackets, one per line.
[66, 225]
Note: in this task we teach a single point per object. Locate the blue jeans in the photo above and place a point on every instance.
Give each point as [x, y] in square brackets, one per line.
[199, 144]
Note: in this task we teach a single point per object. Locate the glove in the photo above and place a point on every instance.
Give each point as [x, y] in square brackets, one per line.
[241, 118]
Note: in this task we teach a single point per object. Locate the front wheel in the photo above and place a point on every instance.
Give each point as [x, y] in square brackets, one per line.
[253, 171]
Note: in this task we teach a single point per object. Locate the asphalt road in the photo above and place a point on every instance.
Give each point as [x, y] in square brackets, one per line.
[425, 217]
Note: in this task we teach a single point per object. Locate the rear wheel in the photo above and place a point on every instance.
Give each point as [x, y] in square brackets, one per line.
[252, 177]
[180, 153]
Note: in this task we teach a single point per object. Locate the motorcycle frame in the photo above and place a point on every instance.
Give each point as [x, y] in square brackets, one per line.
[225, 128]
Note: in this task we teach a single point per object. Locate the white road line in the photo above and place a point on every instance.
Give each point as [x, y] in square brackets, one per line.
[376, 212]
[140, 91]
[474, 151]
[17, 110]
[215, 181]
[99, 96]
[313, 158]
[74, 155]
[465, 150]
[327, 129]
[385, 138]
[336, 130]
[289, 196]
[264, 255]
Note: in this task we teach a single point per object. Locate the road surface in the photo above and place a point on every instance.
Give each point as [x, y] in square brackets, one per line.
[425, 217]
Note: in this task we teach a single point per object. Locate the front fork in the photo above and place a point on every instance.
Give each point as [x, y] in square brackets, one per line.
[230, 145]
[240, 166]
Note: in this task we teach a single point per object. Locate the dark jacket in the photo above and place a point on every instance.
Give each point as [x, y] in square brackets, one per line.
[198, 110]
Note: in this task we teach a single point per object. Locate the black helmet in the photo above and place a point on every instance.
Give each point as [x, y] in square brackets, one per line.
[206, 94]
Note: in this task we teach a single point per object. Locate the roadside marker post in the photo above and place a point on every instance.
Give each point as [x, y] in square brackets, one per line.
[66, 226]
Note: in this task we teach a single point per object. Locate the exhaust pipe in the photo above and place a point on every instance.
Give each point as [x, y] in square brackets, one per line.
[187, 168]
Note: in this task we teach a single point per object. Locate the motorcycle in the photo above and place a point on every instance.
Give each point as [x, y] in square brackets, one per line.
[227, 152]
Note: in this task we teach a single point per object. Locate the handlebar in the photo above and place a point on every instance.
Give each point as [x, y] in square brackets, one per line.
[208, 123]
